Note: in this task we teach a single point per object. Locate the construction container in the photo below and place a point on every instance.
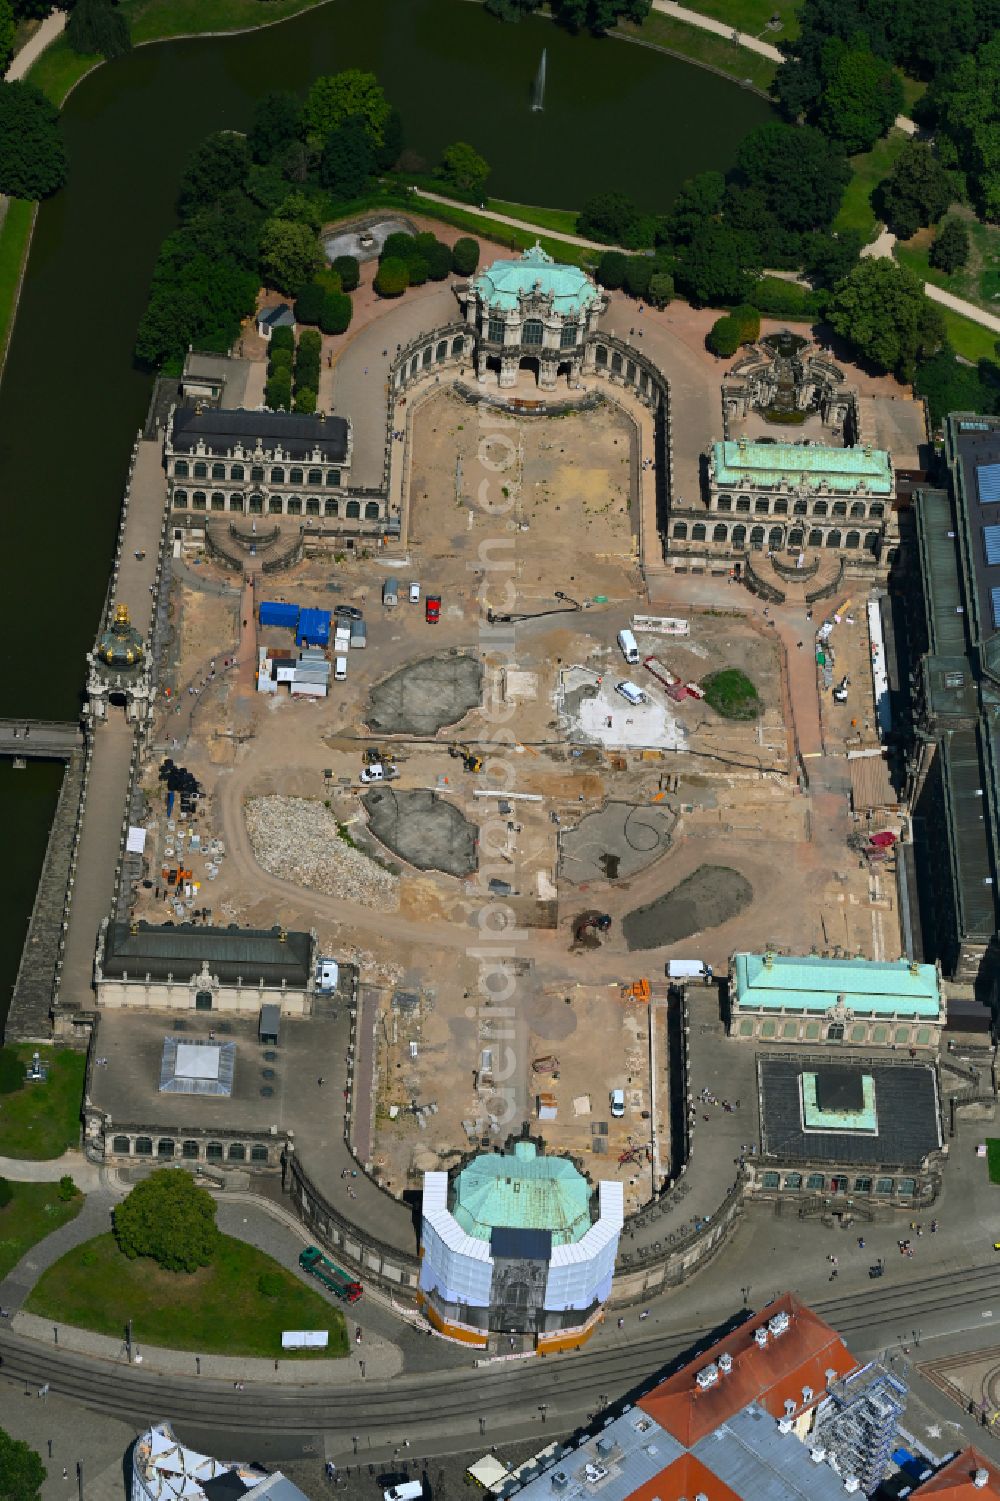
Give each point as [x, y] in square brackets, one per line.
[279, 612]
[313, 628]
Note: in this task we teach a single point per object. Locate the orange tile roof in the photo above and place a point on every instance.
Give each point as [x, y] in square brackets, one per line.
[789, 1362]
[683, 1478]
[955, 1481]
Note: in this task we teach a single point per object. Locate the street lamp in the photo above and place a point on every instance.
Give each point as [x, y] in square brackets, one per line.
[543, 1408]
[746, 1296]
[482, 1427]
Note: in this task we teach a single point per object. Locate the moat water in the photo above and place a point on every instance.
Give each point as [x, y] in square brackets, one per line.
[616, 116]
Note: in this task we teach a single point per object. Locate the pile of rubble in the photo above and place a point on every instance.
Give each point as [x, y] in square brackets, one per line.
[297, 839]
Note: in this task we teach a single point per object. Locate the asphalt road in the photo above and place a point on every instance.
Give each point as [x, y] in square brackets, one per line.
[439, 1411]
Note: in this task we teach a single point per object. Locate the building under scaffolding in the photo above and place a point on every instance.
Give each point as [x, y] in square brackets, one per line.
[857, 1423]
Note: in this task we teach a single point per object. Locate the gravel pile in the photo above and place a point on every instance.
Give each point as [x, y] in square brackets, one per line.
[296, 839]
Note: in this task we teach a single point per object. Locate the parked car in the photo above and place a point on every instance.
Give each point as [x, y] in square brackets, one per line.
[414, 593]
[432, 609]
[347, 612]
[618, 1103]
[374, 773]
[340, 670]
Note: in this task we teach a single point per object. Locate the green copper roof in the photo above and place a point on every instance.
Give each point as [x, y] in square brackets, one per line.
[571, 289]
[766, 982]
[764, 466]
[523, 1192]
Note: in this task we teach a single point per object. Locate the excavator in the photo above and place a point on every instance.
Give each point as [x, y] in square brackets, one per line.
[468, 758]
[590, 922]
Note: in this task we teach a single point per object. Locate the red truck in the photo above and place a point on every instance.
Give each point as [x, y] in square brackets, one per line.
[432, 609]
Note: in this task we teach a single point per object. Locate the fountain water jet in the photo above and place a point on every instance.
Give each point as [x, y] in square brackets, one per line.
[538, 92]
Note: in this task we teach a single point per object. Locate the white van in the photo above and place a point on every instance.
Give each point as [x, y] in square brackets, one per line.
[340, 670]
[414, 593]
[618, 1103]
[630, 693]
[410, 1490]
[629, 647]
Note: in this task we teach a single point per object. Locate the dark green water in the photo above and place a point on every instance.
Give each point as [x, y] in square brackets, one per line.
[616, 116]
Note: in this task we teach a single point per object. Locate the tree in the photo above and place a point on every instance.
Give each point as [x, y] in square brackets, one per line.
[465, 256]
[400, 245]
[598, 16]
[613, 219]
[22, 1473]
[98, 26]
[862, 95]
[6, 35]
[661, 288]
[950, 385]
[32, 154]
[301, 209]
[305, 401]
[195, 300]
[950, 250]
[438, 258]
[748, 321]
[338, 97]
[463, 168]
[283, 338]
[883, 309]
[828, 257]
[700, 198]
[309, 303]
[611, 270]
[349, 271]
[723, 338]
[393, 277]
[417, 270]
[963, 108]
[390, 149]
[276, 121]
[638, 274]
[168, 1217]
[230, 228]
[217, 166]
[916, 192]
[511, 10]
[67, 1188]
[290, 255]
[718, 266]
[335, 314]
[799, 173]
[278, 392]
[347, 162]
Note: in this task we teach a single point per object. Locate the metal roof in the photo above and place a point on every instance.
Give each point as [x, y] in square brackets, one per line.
[758, 1462]
[222, 429]
[906, 1102]
[988, 483]
[884, 988]
[523, 1190]
[504, 282]
[812, 465]
[964, 781]
[254, 955]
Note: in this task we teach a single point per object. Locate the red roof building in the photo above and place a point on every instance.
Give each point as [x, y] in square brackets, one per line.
[970, 1476]
[783, 1358]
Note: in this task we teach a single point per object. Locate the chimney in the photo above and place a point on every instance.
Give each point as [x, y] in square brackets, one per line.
[789, 1407]
[725, 1362]
[981, 1479]
[807, 1394]
[760, 1335]
[852, 1484]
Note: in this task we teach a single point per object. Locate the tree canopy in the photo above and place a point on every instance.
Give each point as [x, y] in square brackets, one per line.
[916, 192]
[276, 120]
[594, 15]
[6, 34]
[800, 175]
[718, 265]
[465, 256]
[218, 165]
[950, 249]
[862, 95]
[950, 385]
[883, 309]
[98, 26]
[168, 1217]
[22, 1473]
[348, 161]
[32, 155]
[613, 219]
[463, 168]
[290, 254]
[350, 95]
[963, 108]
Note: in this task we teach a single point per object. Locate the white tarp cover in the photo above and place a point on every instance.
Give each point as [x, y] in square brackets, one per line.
[305, 1339]
[488, 1471]
[686, 969]
[135, 844]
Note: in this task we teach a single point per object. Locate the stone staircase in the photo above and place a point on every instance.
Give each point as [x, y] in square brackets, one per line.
[783, 583]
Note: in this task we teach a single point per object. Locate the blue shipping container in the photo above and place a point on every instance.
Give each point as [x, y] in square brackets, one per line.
[314, 628]
[279, 612]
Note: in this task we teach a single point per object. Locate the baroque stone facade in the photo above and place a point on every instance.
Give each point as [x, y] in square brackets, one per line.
[532, 313]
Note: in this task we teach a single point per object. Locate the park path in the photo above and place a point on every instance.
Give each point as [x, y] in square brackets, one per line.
[85, 1174]
[719, 28]
[539, 229]
[35, 45]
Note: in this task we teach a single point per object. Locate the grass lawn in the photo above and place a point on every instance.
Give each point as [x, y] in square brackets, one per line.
[752, 16]
[40, 1121]
[562, 220]
[993, 1158]
[154, 19]
[979, 280]
[913, 89]
[59, 68]
[14, 235]
[671, 35]
[969, 339]
[870, 167]
[217, 1310]
[731, 694]
[34, 1212]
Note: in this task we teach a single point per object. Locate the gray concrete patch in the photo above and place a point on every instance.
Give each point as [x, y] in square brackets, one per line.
[423, 829]
[707, 897]
[347, 240]
[615, 842]
[424, 696]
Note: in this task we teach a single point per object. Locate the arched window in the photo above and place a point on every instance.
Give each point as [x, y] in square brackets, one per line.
[833, 538]
[143, 1146]
[724, 503]
[441, 353]
[839, 508]
[274, 505]
[165, 1147]
[237, 1152]
[719, 534]
[256, 505]
[312, 506]
[532, 332]
[257, 474]
[616, 363]
[458, 345]
[795, 537]
[181, 468]
[757, 537]
[761, 505]
[180, 500]
[876, 510]
[415, 364]
[780, 507]
[199, 500]
[739, 535]
[295, 476]
[333, 477]
[680, 531]
[236, 502]
[236, 473]
[799, 508]
[743, 504]
[698, 532]
[371, 510]
[218, 471]
[294, 506]
[189, 1150]
[494, 331]
[353, 510]
[218, 501]
[820, 508]
[871, 542]
[201, 470]
[428, 355]
[852, 540]
[815, 537]
[203, 1000]
[601, 355]
[331, 507]
[857, 510]
[630, 373]
[213, 1152]
[258, 1153]
[568, 335]
[121, 1146]
[774, 538]
[315, 476]
[277, 475]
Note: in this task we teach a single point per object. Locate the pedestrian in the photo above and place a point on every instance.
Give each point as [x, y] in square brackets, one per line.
[319, 1081]
[65, 1473]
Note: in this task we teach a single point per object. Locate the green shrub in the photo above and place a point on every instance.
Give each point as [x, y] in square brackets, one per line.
[305, 400]
[309, 303]
[748, 319]
[349, 271]
[309, 340]
[438, 259]
[280, 362]
[400, 245]
[67, 1188]
[11, 1071]
[465, 256]
[661, 288]
[307, 375]
[775, 298]
[282, 338]
[393, 277]
[6, 1193]
[167, 1216]
[731, 694]
[638, 274]
[335, 315]
[611, 270]
[723, 338]
[418, 271]
[278, 392]
[270, 1284]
